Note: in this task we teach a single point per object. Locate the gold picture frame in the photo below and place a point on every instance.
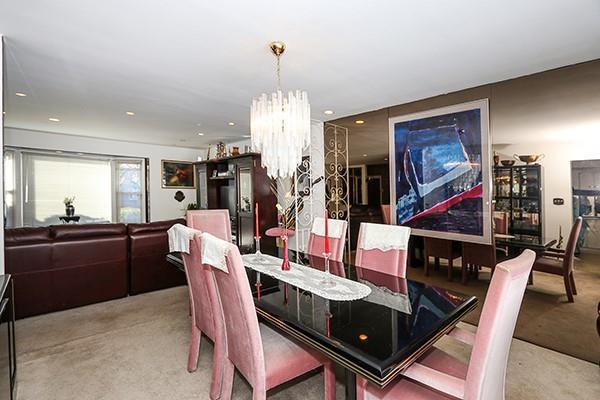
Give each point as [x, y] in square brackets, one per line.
[177, 174]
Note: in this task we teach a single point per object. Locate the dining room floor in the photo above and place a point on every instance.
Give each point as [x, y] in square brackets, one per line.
[546, 318]
[136, 348]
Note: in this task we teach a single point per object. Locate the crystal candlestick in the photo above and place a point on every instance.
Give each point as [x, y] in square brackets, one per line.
[327, 281]
[258, 257]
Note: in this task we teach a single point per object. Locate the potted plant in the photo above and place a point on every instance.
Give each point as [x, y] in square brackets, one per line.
[69, 208]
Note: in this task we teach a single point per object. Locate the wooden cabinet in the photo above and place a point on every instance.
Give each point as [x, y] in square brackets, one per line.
[237, 183]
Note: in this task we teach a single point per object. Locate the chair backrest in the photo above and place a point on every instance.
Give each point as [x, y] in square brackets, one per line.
[215, 222]
[501, 222]
[198, 284]
[235, 318]
[337, 242]
[386, 209]
[572, 244]
[487, 367]
[392, 261]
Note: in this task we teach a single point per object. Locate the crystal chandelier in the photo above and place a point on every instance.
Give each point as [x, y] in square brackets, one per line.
[280, 126]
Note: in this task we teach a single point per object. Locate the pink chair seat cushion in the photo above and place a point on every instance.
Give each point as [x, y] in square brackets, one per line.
[409, 390]
[279, 350]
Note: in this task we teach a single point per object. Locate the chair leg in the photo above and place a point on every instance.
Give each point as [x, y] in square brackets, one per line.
[227, 381]
[568, 289]
[450, 266]
[259, 393]
[194, 349]
[329, 381]
[437, 263]
[426, 264]
[572, 281]
[530, 279]
[464, 272]
[219, 366]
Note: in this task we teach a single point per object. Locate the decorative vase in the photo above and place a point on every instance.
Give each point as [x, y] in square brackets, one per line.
[69, 210]
[496, 159]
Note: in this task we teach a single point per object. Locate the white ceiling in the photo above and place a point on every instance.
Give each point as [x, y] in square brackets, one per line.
[182, 63]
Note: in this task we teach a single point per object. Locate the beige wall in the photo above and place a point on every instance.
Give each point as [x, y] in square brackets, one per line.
[556, 113]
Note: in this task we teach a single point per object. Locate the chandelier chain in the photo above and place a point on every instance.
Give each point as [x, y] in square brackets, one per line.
[278, 71]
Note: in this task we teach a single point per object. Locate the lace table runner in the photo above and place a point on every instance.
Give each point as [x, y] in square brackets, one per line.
[309, 279]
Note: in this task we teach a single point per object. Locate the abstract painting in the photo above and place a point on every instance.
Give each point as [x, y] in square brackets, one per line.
[178, 174]
[441, 175]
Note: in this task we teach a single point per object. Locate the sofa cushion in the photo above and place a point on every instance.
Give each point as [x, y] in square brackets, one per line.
[21, 236]
[68, 231]
[133, 229]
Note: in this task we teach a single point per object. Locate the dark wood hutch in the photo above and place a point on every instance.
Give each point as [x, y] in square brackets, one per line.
[236, 183]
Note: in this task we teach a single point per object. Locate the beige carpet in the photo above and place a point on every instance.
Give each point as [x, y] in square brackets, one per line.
[136, 348]
[546, 318]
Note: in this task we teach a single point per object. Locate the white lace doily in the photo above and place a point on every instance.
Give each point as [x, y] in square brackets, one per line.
[307, 278]
[180, 236]
[336, 227]
[384, 237]
[214, 251]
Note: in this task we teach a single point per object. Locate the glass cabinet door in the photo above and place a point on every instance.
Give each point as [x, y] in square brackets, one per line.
[502, 182]
[245, 190]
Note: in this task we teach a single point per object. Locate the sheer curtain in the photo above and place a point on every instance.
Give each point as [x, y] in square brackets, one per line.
[48, 179]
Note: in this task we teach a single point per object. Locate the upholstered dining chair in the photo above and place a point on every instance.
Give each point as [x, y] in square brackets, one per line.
[437, 375]
[337, 238]
[264, 357]
[476, 255]
[201, 285]
[215, 222]
[383, 248]
[386, 209]
[558, 262]
[440, 248]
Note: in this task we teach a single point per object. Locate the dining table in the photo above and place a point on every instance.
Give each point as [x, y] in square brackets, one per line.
[517, 243]
[377, 336]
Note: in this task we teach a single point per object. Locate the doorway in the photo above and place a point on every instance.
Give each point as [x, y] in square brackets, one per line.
[374, 190]
[585, 179]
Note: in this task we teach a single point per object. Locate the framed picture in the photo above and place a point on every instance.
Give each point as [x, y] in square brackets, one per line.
[178, 174]
[440, 172]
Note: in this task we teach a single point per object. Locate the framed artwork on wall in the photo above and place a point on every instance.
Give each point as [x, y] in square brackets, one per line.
[440, 171]
[178, 175]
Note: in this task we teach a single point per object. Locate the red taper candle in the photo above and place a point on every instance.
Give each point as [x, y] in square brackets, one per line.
[326, 233]
[256, 231]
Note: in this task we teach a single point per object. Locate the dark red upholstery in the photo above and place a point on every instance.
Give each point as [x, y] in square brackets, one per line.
[61, 267]
[149, 246]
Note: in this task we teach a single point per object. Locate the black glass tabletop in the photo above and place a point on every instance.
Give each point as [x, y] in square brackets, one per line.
[377, 336]
[525, 241]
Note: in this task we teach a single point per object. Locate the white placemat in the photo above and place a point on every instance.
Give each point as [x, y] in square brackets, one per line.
[307, 278]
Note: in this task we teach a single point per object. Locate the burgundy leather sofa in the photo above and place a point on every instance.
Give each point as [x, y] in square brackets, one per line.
[64, 266]
[148, 267]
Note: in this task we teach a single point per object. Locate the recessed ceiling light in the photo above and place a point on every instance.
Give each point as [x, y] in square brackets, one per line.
[247, 136]
[54, 119]
[385, 159]
[199, 124]
[328, 112]
[359, 122]
[364, 155]
[231, 123]
[200, 134]
[129, 113]
[21, 94]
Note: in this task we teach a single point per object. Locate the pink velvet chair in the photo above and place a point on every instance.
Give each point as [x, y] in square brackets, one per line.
[386, 210]
[391, 261]
[201, 285]
[437, 375]
[337, 238]
[215, 222]
[264, 357]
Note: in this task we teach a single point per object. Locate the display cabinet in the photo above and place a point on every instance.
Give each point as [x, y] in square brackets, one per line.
[237, 183]
[518, 192]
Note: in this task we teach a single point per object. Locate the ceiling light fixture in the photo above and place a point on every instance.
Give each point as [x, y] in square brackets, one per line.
[247, 136]
[364, 155]
[328, 112]
[54, 119]
[359, 122]
[21, 94]
[200, 134]
[280, 125]
[231, 123]
[129, 113]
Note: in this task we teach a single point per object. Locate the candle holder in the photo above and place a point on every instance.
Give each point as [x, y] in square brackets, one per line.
[327, 281]
[258, 256]
[285, 265]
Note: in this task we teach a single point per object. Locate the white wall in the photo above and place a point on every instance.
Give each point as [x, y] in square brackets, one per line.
[1, 145]
[162, 204]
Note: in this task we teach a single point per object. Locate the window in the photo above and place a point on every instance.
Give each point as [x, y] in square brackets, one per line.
[106, 189]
